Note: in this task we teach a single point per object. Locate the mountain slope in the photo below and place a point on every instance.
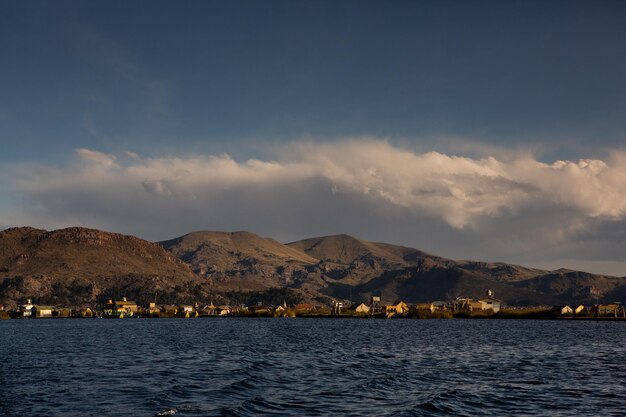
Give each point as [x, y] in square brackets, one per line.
[79, 266]
[355, 269]
[239, 260]
[574, 285]
[345, 249]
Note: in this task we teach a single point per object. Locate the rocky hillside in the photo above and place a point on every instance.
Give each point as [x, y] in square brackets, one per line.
[240, 261]
[79, 266]
[354, 269]
[344, 267]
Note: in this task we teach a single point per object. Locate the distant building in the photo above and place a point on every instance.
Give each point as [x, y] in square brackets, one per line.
[42, 311]
[120, 308]
[360, 308]
[130, 307]
[25, 310]
[425, 306]
[260, 309]
[304, 308]
[209, 310]
[609, 310]
[153, 309]
[581, 309]
[187, 311]
[399, 307]
[562, 310]
[465, 303]
[168, 310]
[490, 304]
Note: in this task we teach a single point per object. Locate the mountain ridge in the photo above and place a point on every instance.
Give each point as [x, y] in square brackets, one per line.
[81, 266]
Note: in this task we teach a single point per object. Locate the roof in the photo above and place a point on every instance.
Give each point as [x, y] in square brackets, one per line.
[125, 303]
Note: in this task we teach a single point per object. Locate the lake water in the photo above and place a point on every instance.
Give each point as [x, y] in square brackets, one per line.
[312, 367]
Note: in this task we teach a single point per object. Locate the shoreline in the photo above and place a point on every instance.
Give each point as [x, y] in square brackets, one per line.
[331, 317]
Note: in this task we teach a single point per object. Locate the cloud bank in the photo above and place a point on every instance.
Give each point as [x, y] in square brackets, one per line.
[515, 209]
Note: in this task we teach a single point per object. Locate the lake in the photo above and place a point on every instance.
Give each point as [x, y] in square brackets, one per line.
[311, 367]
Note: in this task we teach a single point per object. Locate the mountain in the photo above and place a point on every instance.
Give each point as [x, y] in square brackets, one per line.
[240, 261]
[575, 285]
[79, 266]
[361, 268]
[348, 268]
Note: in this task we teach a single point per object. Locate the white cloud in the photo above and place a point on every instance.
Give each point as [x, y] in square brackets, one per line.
[356, 186]
[95, 157]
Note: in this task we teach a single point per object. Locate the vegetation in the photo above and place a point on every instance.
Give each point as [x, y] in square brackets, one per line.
[427, 314]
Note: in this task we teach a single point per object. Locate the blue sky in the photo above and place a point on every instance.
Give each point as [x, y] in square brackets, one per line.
[506, 79]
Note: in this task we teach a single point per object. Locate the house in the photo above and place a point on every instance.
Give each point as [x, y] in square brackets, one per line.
[25, 310]
[187, 311]
[465, 303]
[304, 308]
[488, 303]
[168, 310]
[42, 311]
[129, 307]
[361, 308]
[581, 309]
[120, 308]
[62, 312]
[425, 306]
[153, 309]
[260, 309]
[609, 310]
[562, 310]
[399, 307]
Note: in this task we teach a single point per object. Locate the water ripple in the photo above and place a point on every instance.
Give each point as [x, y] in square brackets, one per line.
[309, 367]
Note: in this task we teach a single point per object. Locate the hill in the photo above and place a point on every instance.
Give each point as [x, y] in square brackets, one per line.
[80, 266]
[239, 261]
[354, 269]
[348, 268]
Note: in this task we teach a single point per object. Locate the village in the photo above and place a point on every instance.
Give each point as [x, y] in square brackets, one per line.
[460, 307]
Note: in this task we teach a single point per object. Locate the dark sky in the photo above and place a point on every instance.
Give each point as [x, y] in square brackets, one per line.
[208, 76]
